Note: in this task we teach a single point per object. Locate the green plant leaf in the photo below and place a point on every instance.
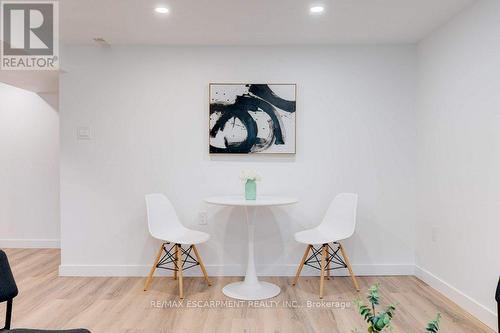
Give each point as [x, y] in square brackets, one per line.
[366, 312]
[382, 321]
[374, 294]
[433, 325]
[390, 310]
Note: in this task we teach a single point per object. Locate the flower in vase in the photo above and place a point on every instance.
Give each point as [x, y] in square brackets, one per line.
[247, 175]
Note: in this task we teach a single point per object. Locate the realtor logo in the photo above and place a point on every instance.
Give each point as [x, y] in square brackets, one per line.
[29, 33]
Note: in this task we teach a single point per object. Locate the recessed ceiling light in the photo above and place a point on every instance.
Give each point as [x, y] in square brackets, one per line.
[316, 9]
[161, 10]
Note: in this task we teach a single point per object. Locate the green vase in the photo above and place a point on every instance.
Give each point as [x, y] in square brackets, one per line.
[250, 190]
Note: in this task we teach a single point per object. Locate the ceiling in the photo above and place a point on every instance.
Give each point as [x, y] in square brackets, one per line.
[253, 22]
[240, 22]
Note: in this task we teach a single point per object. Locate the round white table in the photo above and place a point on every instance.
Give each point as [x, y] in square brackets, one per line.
[250, 288]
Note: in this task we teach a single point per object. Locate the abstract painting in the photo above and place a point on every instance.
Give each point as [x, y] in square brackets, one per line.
[252, 118]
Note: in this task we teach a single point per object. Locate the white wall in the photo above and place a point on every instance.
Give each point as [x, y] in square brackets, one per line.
[148, 109]
[29, 169]
[459, 159]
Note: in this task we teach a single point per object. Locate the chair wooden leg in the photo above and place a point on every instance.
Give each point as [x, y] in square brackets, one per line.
[301, 265]
[152, 271]
[202, 266]
[179, 268]
[322, 277]
[346, 259]
[328, 263]
[175, 264]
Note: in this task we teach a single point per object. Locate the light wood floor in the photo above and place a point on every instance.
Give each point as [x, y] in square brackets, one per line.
[120, 305]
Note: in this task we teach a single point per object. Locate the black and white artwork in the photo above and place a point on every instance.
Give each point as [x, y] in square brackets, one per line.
[252, 118]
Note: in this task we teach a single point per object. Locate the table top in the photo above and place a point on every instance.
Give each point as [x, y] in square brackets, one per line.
[235, 200]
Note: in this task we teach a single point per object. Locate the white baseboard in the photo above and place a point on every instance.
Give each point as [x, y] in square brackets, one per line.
[466, 302]
[30, 243]
[230, 270]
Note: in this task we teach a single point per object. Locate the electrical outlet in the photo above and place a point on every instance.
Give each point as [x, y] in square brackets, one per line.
[435, 233]
[203, 218]
[84, 133]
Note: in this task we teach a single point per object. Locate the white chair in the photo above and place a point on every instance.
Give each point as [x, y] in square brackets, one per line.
[338, 224]
[164, 225]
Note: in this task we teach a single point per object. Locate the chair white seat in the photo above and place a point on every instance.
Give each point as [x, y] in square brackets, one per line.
[187, 237]
[164, 224]
[338, 224]
[316, 236]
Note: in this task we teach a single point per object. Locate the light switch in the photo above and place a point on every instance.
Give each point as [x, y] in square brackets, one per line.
[84, 133]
